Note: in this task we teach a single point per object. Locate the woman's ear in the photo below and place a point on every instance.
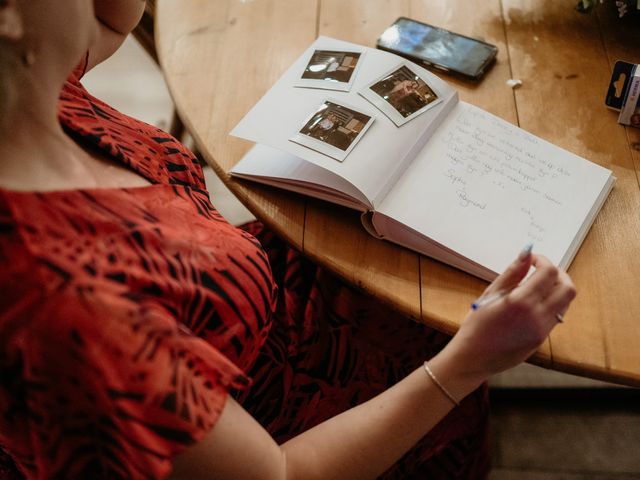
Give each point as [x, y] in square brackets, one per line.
[11, 26]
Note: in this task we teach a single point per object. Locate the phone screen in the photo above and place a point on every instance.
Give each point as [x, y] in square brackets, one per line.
[437, 46]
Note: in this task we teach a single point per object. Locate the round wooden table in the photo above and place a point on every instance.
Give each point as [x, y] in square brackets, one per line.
[220, 57]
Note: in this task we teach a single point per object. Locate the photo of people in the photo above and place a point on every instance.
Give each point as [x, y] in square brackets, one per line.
[333, 130]
[405, 91]
[330, 69]
[401, 94]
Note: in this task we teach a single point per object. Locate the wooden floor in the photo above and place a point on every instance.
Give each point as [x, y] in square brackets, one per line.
[551, 426]
[557, 434]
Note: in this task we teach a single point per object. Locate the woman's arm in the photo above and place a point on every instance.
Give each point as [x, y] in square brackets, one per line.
[116, 19]
[366, 440]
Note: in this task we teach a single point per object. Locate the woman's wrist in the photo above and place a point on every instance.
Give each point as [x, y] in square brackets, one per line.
[453, 375]
[439, 384]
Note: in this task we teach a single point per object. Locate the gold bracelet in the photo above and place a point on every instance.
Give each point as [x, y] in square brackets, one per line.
[440, 386]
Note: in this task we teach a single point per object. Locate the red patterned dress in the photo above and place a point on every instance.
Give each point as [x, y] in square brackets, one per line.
[128, 315]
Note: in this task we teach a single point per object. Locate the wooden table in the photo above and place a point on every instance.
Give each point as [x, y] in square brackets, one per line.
[220, 56]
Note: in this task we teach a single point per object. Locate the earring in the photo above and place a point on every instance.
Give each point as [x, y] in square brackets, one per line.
[28, 58]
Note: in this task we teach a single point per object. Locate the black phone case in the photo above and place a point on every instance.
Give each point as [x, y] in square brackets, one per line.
[429, 64]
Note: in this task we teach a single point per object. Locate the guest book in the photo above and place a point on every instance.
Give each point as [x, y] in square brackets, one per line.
[428, 172]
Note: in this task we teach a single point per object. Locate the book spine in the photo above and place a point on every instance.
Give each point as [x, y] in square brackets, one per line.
[421, 141]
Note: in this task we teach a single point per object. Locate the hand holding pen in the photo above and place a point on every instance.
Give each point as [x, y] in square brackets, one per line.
[513, 317]
[488, 298]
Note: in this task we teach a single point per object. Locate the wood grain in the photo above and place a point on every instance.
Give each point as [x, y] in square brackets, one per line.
[220, 57]
[623, 44]
[334, 237]
[560, 56]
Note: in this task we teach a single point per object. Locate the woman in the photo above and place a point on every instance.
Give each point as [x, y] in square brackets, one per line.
[401, 90]
[130, 308]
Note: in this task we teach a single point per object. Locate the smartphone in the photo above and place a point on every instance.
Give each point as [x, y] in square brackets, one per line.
[435, 47]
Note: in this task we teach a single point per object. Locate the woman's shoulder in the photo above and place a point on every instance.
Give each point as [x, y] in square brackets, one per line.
[149, 150]
[107, 358]
[17, 278]
[108, 353]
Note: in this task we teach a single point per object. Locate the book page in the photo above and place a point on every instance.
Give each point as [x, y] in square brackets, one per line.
[274, 167]
[485, 189]
[382, 153]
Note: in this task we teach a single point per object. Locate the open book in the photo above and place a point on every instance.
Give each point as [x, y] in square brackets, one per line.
[454, 183]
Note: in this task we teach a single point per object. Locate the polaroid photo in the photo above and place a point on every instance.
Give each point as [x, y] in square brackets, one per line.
[331, 70]
[333, 129]
[401, 94]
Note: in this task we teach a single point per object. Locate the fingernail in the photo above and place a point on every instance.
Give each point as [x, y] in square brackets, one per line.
[526, 251]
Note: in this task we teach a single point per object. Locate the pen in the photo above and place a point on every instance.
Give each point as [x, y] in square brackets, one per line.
[482, 301]
[486, 300]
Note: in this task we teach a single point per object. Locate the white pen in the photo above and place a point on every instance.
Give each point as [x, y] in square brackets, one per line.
[486, 300]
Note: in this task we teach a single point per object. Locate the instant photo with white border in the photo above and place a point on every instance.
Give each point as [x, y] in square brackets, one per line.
[319, 123]
[330, 83]
[385, 105]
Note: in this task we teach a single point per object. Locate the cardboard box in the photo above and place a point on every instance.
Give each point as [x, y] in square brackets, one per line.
[624, 93]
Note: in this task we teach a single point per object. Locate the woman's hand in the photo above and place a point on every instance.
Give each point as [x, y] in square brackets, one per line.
[364, 441]
[505, 332]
